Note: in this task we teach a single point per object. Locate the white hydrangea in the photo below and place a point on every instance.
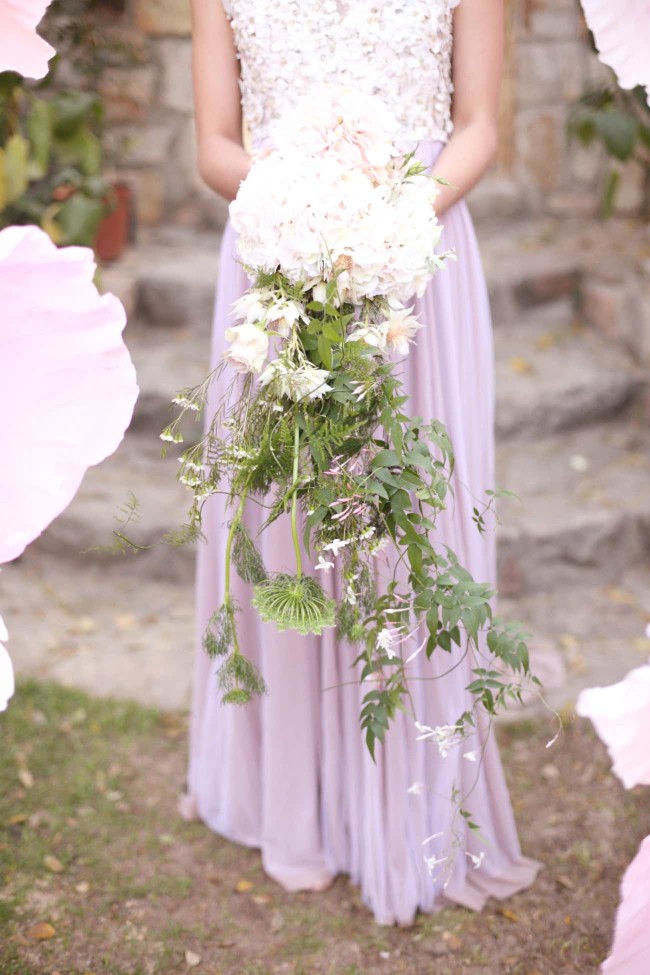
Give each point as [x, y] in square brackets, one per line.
[333, 197]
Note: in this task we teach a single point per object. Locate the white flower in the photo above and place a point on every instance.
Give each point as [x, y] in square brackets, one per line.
[470, 756]
[444, 736]
[433, 862]
[386, 638]
[350, 595]
[297, 383]
[477, 860]
[416, 789]
[284, 314]
[401, 326]
[336, 545]
[374, 335]
[249, 348]
[370, 227]
[253, 306]
[324, 564]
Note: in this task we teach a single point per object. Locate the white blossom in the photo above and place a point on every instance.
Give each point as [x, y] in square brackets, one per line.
[324, 564]
[444, 736]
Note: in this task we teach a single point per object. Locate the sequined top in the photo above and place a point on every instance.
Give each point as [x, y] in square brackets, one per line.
[397, 49]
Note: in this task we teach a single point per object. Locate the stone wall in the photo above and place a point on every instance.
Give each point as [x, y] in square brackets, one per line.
[151, 138]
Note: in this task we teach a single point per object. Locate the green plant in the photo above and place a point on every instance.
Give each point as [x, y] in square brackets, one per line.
[620, 121]
[51, 161]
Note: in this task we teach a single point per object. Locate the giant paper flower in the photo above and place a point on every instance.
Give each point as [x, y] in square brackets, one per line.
[67, 380]
[622, 34]
[631, 950]
[621, 716]
[6, 670]
[21, 48]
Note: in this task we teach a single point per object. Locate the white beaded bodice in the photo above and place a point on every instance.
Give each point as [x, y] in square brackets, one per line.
[397, 49]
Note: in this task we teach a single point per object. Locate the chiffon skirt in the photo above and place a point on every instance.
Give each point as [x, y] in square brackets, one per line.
[290, 773]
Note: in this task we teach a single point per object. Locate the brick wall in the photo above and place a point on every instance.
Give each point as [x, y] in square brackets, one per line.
[151, 135]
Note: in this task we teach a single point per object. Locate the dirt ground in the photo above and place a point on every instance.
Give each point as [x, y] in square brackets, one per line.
[99, 876]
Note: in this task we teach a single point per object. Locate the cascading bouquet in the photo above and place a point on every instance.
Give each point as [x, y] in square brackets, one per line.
[337, 230]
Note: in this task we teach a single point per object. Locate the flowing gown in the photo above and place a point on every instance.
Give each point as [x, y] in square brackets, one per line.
[290, 773]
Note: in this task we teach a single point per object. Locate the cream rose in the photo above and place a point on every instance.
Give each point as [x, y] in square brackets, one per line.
[249, 348]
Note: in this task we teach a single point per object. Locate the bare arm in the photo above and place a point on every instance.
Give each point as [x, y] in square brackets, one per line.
[477, 65]
[222, 160]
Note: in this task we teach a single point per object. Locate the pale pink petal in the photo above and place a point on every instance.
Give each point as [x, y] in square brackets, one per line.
[21, 48]
[631, 951]
[621, 29]
[7, 685]
[621, 716]
[67, 380]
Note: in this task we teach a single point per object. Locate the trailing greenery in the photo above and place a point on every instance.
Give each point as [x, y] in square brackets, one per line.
[364, 475]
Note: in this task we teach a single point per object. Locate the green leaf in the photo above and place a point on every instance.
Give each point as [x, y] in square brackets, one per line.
[16, 154]
[79, 218]
[619, 132]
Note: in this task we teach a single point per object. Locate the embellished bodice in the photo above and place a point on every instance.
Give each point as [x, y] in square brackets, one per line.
[399, 50]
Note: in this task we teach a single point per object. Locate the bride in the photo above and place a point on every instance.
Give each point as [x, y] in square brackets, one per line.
[289, 773]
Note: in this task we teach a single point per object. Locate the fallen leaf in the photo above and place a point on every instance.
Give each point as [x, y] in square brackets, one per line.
[53, 863]
[192, 959]
[510, 915]
[621, 596]
[452, 940]
[41, 931]
[547, 340]
[565, 882]
[83, 624]
[243, 886]
[82, 887]
[550, 772]
[519, 364]
[261, 899]
[26, 778]
[16, 819]
[125, 621]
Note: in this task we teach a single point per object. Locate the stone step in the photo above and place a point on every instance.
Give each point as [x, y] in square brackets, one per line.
[583, 514]
[584, 635]
[80, 535]
[169, 278]
[117, 636]
[552, 376]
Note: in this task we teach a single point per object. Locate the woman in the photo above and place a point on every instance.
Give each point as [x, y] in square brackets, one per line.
[289, 773]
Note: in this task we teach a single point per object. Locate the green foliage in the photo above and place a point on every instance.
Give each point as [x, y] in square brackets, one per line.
[365, 474]
[618, 120]
[294, 603]
[239, 679]
[51, 161]
[246, 559]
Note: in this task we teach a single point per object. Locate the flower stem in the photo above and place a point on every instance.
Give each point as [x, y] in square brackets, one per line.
[294, 503]
[226, 596]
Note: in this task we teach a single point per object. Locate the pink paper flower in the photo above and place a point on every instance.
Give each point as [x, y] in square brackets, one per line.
[622, 34]
[621, 716]
[631, 950]
[7, 685]
[21, 48]
[67, 380]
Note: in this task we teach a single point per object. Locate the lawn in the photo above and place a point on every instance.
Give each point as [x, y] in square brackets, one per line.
[99, 875]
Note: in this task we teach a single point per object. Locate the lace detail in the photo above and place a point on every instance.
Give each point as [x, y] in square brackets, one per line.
[398, 49]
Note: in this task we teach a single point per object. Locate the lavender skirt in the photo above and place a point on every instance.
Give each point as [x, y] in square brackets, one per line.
[290, 773]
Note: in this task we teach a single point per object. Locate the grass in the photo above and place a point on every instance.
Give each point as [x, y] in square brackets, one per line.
[91, 844]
